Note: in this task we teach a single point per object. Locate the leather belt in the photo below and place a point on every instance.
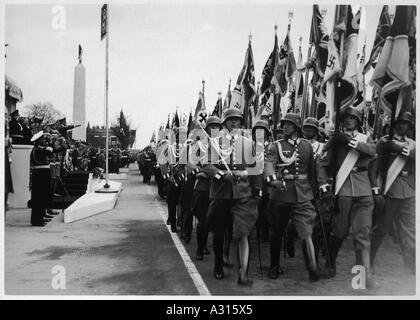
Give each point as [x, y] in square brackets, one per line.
[295, 177]
[358, 169]
[232, 167]
[238, 173]
[45, 166]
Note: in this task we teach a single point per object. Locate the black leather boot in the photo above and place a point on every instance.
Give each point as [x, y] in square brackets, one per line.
[309, 257]
[333, 249]
[218, 257]
[275, 249]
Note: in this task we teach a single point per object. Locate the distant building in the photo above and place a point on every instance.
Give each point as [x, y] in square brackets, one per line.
[96, 136]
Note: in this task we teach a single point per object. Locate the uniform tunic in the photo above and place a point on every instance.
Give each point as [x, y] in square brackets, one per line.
[41, 184]
[355, 201]
[299, 178]
[232, 201]
[400, 198]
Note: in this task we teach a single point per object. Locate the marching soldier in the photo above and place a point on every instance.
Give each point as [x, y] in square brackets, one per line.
[263, 146]
[353, 151]
[230, 192]
[200, 199]
[292, 193]
[148, 160]
[187, 190]
[310, 131]
[158, 173]
[41, 176]
[171, 172]
[396, 165]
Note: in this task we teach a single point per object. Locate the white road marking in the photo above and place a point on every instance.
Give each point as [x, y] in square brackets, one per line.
[192, 270]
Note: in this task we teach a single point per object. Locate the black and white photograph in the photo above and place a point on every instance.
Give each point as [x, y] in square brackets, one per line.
[209, 149]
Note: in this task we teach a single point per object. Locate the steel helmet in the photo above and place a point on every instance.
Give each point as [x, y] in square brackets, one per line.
[213, 120]
[352, 112]
[293, 118]
[311, 122]
[232, 113]
[261, 124]
[405, 116]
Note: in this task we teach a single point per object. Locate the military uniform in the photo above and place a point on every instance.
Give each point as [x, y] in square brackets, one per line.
[295, 202]
[353, 152]
[262, 148]
[231, 199]
[321, 227]
[148, 160]
[399, 195]
[172, 172]
[40, 187]
[198, 159]
[292, 198]
[16, 129]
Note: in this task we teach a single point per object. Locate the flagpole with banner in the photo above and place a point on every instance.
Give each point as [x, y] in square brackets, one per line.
[105, 33]
[305, 85]
[298, 73]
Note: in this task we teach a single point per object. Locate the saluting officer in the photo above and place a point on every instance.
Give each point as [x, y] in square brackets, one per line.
[41, 176]
[292, 193]
[396, 165]
[230, 192]
[200, 200]
[348, 153]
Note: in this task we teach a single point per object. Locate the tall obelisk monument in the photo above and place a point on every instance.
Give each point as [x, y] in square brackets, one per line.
[79, 100]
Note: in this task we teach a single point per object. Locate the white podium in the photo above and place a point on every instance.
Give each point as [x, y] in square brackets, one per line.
[20, 176]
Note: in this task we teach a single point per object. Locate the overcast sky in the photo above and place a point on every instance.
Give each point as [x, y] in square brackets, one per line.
[159, 53]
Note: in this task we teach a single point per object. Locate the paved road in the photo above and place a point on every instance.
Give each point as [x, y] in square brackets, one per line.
[130, 251]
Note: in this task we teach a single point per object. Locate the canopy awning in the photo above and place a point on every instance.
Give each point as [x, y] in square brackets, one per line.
[13, 90]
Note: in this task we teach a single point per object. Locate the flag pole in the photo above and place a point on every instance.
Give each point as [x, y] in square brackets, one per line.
[106, 188]
[305, 84]
[275, 98]
[297, 76]
[203, 92]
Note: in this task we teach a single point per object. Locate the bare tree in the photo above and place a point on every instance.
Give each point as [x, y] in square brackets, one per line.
[43, 110]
